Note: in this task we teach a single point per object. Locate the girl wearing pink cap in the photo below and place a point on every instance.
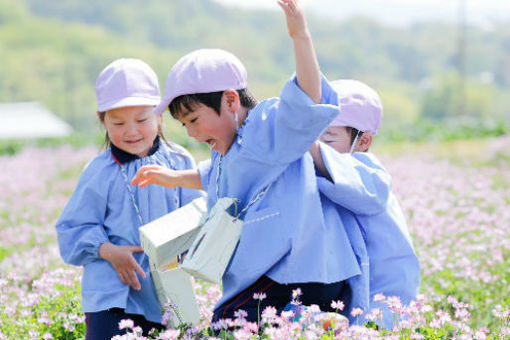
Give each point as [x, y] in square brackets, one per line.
[98, 228]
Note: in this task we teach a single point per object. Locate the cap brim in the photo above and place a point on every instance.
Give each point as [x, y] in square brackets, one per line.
[355, 124]
[129, 101]
[161, 107]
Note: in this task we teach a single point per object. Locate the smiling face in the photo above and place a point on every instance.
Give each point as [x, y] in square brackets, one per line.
[205, 125]
[337, 137]
[132, 129]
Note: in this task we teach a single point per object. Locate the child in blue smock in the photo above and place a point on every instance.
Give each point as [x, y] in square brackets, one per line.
[98, 229]
[356, 181]
[259, 156]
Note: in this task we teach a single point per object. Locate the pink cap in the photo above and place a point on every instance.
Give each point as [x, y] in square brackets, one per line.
[360, 105]
[126, 82]
[203, 71]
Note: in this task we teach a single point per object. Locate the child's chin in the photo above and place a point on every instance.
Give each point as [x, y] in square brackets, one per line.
[215, 147]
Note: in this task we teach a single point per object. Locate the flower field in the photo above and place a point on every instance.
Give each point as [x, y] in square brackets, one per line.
[458, 206]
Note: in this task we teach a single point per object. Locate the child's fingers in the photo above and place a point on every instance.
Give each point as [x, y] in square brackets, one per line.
[145, 182]
[136, 249]
[284, 6]
[140, 271]
[134, 264]
[289, 6]
[137, 178]
[142, 180]
[132, 280]
[142, 173]
[292, 6]
[122, 278]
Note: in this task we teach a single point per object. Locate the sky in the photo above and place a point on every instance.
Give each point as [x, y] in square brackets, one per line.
[399, 13]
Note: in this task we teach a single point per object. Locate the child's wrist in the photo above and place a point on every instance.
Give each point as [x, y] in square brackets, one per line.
[105, 250]
[171, 179]
[302, 36]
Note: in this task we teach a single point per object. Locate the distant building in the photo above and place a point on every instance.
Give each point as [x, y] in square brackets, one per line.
[30, 120]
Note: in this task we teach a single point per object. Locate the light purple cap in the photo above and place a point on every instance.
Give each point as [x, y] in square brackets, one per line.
[126, 82]
[360, 105]
[203, 71]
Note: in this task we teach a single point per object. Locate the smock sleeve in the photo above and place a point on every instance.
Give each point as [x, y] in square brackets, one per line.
[188, 195]
[359, 182]
[80, 229]
[281, 130]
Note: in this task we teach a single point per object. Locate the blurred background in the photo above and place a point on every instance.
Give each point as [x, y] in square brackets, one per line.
[442, 68]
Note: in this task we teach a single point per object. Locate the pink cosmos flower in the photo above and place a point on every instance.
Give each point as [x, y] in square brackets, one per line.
[251, 327]
[170, 334]
[379, 297]
[240, 314]
[394, 304]
[259, 296]
[356, 311]
[338, 305]
[287, 315]
[374, 315]
[126, 323]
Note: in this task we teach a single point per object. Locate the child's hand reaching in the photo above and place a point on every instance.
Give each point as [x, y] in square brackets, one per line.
[296, 23]
[122, 260]
[155, 174]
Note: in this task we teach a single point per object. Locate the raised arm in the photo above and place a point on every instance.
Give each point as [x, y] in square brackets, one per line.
[155, 174]
[307, 67]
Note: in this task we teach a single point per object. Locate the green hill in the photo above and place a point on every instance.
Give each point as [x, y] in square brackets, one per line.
[52, 51]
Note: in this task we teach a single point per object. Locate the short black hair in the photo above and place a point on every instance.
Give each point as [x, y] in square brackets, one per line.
[211, 99]
[355, 132]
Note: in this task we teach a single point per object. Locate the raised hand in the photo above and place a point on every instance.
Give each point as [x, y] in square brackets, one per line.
[296, 23]
[307, 67]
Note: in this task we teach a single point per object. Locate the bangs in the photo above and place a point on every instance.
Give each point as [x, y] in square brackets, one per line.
[183, 103]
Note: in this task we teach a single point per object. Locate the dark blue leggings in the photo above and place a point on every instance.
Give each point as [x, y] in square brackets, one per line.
[280, 295]
[104, 325]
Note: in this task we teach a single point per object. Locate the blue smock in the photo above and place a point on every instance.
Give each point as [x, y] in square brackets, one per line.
[101, 209]
[285, 234]
[361, 185]
[359, 285]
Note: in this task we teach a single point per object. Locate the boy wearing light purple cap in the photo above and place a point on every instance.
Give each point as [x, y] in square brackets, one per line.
[259, 156]
[358, 184]
[98, 228]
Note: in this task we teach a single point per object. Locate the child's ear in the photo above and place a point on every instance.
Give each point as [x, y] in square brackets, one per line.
[364, 141]
[231, 100]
